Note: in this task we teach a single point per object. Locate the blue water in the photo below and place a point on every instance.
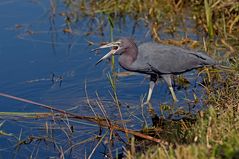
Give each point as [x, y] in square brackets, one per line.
[33, 47]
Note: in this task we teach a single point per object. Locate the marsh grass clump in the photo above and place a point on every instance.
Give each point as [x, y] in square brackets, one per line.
[213, 135]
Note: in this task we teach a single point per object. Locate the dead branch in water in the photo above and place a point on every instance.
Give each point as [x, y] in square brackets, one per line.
[96, 119]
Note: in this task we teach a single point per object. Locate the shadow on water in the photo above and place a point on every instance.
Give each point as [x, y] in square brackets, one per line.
[45, 55]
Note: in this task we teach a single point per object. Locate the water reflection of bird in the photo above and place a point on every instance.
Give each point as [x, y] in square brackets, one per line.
[156, 60]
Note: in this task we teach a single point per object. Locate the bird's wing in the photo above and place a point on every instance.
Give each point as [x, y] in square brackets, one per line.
[169, 59]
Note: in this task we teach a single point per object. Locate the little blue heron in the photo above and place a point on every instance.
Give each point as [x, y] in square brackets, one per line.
[156, 60]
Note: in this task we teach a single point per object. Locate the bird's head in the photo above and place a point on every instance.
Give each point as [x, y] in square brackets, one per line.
[118, 47]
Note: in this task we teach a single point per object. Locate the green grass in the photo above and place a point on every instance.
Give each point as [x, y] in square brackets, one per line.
[212, 136]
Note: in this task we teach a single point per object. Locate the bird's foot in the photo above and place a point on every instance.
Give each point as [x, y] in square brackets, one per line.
[175, 100]
[150, 106]
[146, 103]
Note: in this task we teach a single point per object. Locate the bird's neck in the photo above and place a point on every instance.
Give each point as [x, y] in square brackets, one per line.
[127, 58]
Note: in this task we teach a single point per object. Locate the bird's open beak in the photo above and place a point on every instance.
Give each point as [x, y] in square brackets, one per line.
[106, 56]
[115, 48]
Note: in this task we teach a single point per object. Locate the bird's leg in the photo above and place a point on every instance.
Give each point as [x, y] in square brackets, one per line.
[173, 94]
[153, 79]
[167, 79]
[151, 87]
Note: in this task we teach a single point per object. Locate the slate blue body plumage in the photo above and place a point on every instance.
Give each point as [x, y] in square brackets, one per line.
[157, 60]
